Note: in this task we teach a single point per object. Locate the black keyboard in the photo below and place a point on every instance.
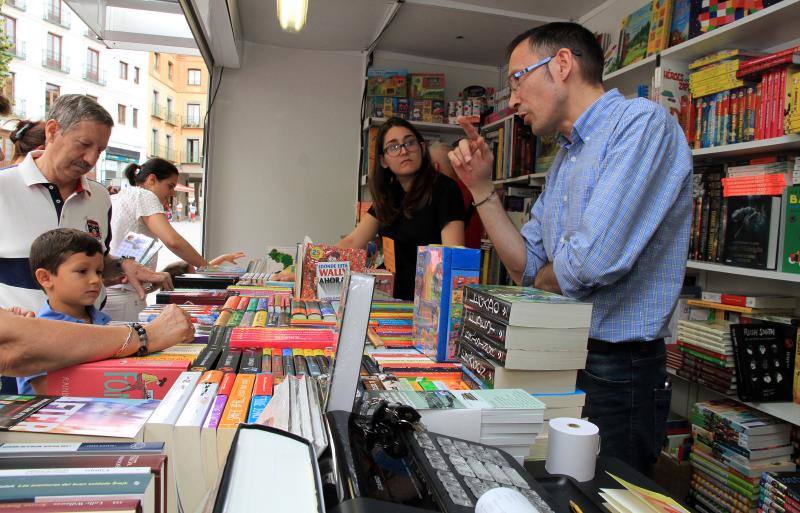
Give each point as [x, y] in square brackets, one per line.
[466, 470]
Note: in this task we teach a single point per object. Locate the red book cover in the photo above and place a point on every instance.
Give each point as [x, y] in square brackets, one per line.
[758, 111]
[226, 385]
[282, 338]
[766, 59]
[766, 132]
[316, 253]
[773, 105]
[121, 378]
[264, 382]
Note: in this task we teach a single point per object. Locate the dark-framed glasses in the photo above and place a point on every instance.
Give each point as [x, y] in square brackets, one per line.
[514, 78]
[393, 149]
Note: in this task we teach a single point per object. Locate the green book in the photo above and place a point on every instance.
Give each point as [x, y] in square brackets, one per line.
[791, 232]
[27, 487]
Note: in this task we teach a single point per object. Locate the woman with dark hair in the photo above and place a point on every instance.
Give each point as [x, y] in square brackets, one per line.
[27, 137]
[140, 209]
[413, 204]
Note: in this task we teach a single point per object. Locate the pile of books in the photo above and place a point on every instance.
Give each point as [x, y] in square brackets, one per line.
[780, 491]
[313, 313]
[707, 354]
[521, 337]
[390, 324]
[53, 446]
[733, 446]
[507, 419]
[194, 296]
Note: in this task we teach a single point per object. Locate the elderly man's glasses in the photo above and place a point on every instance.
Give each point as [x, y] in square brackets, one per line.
[514, 78]
[393, 149]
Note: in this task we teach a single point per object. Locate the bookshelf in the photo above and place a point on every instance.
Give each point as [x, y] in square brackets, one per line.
[789, 412]
[743, 271]
[783, 143]
[422, 126]
[529, 179]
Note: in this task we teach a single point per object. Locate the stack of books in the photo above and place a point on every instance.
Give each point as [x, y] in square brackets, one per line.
[733, 445]
[391, 324]
[313, 314]
[194, 296]
[521, 337]
[507, 419]
[780, 491]
[707, 354]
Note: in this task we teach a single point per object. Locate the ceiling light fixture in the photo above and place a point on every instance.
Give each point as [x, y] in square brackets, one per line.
[292, 14]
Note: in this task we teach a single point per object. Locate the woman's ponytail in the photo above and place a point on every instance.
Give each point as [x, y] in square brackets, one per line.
[130, 173]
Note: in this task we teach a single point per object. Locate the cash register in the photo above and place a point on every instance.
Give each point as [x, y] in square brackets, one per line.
[380, 458]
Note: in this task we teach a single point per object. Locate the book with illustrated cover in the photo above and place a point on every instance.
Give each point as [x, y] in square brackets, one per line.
[316, 253]
[679, 24]
[752, 231]
[14, 408]
[790, 262]
[634, 32]
[330, 276]
[764, 356]
[661, 16]
[85, 416]
[442, 272]
[736, 422]
[137, 246]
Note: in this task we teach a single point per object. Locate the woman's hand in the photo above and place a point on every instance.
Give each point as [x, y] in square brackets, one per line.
[227, 257]
[285, 275]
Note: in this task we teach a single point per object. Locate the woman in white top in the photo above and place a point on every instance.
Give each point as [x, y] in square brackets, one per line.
[140, 209]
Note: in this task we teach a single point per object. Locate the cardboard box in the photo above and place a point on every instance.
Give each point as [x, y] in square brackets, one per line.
[429, 111]
[392, 83]
[427, 86]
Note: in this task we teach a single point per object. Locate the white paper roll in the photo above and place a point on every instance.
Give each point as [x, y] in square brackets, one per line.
[573, 445]
[504, 500]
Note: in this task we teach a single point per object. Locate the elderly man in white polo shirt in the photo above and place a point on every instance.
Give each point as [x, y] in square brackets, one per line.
[49, 190]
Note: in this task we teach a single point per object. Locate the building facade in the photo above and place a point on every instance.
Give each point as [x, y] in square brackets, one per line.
[54, 53]
[177, 88]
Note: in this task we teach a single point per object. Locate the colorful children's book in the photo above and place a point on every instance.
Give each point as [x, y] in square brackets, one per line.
[679, 25]
[790, 262]
[442, 273]
[315, 253]
[660, 18]
[122, 378]
[634, 33]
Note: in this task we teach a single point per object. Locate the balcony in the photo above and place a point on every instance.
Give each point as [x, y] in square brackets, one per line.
[192, 123]
[172, 118]
[191, 158]
[158, 150]
[18, 110]
[55, 61]
[94, 75]
[17, 50]
[158, 111]
[22, 5]
[58, 17]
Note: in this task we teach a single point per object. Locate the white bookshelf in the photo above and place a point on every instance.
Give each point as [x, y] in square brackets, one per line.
[488, 127]
[422, 126]
[783, 143]
[524, 179]
[743, 271]
[786, 411]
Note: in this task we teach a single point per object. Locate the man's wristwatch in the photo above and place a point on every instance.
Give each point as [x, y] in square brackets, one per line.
[143, 350]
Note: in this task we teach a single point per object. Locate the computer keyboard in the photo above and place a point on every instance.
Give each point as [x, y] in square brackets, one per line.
[467, 470]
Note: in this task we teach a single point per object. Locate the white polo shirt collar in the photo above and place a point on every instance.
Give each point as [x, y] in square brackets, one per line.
[32, 175]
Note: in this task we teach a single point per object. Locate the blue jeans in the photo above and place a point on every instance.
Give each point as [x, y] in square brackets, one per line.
[627, 397]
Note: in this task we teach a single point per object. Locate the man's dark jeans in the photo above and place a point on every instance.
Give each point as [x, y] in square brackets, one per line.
[627, 397]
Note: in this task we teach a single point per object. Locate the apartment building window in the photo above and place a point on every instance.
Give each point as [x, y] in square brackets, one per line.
[156, 61]
[54, 11]
[52, 92]
[194, 77]
[53, 50]
[193, 150]
[155, 143]
[121, 114]
[168, 147]
[135, 118]
[193, 114]
[11, 32]
[136, 74]
[170, 69]
[123, 70]
[92, 64]
[169, 106]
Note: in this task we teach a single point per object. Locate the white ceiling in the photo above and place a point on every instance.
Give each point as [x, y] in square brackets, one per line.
[426, 28]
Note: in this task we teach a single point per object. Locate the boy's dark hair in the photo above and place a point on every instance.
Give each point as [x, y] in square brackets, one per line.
[176, 268]
[550, 38]
[52, 248]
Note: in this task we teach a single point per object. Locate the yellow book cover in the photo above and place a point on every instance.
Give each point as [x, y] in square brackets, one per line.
[239, 401]
[660, 22]
[266, 351]
[714, 57]
[260, 319]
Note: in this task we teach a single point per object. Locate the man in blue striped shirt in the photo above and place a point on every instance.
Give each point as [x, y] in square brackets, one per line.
[612, 226]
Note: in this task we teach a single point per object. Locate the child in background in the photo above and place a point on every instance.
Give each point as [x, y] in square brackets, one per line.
[68, 265]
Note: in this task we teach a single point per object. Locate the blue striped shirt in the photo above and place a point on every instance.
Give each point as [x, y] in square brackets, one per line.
[615, 216]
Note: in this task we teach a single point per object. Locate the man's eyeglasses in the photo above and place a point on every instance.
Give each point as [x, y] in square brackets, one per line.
[514, 78]
[393, 149]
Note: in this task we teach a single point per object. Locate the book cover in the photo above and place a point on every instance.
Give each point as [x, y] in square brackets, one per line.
[635, 31]
[764, 361]
[660, 24]
[752, 232]
[679, 25]
[122, 418]
[442, 272]
[790, 262]
[330, 276]
[316, 253]
[35, 487]
[15, 408]
[527, 306]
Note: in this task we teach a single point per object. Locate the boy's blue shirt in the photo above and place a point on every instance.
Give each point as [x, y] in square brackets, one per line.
[99, 318]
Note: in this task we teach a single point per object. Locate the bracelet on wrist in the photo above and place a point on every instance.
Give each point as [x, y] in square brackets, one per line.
[124, 346]
[484, 200]
[143, 349]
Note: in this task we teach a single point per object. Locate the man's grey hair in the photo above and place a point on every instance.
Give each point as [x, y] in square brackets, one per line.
[70, 109]
[439, 145]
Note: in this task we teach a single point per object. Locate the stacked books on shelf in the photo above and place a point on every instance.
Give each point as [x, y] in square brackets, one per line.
[506, 419]
[521, 337]
[779, 491]
[391, 324]
[707, 354]
[514, 149]
[259, 271]
[518, 202]
[312, 313]
[733, 446]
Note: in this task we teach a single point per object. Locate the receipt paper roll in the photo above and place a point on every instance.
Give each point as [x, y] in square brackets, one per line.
[573, 446]
[504, 500]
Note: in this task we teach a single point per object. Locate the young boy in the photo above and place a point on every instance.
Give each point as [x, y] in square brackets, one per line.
[68, 265]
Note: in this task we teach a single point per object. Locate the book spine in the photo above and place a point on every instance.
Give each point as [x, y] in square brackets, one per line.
[484, 325]
[495, 352]
[487, 305]
[472, 359]
[251, 361]
[237, 405]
